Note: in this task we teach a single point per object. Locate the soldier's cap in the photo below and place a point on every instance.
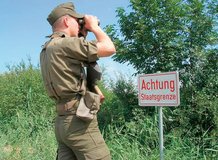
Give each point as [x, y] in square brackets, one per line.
[61, 10]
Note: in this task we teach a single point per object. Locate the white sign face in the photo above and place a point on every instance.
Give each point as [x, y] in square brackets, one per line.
[160, 89]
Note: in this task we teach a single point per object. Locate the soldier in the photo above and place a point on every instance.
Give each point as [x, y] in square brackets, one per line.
[62, 62]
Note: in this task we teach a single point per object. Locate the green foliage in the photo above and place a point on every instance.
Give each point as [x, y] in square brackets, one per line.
[130, 132]
[194, 128]
[169, 35]
[160, 35]
[125, 89]
[26, 115]
[22, 92]
[19, 146]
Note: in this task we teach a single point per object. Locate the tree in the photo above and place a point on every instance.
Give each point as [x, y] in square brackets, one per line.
[162, 35]
[169, 35]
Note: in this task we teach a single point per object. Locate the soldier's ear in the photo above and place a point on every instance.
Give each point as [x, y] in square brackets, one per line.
[66, 21]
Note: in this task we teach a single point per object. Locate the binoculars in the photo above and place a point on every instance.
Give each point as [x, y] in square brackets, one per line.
[82, 22]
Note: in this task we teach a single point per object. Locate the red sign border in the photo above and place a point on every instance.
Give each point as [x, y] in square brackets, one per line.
[160, 104]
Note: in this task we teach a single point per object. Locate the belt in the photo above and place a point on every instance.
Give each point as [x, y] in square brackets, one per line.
[67, 108]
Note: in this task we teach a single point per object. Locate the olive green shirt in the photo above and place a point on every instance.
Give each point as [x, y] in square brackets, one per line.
[61, 64]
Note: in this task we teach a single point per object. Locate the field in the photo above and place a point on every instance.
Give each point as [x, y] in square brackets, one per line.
[27, 116]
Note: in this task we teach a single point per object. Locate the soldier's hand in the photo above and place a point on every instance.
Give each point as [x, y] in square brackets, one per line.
[91, 22]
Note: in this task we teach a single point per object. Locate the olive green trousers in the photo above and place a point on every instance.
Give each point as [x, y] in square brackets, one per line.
[79, 140]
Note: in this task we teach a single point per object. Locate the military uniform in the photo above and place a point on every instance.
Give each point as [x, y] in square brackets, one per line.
[61, 61]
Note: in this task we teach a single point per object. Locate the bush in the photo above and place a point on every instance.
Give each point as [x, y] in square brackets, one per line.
[131, 132]
[26, 115]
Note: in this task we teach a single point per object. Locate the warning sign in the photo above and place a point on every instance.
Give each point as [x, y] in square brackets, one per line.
[160, 89]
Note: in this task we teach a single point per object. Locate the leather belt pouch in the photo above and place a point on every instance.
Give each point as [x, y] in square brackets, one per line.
[88, 106]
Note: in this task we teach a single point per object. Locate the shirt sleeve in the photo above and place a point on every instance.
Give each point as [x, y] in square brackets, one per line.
[80, 49]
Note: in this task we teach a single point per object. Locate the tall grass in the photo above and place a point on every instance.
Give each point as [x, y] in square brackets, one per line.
[26, 126]
[17, 146]
[144, 144]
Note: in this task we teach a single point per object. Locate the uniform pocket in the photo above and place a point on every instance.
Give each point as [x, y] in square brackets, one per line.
[92, 101]
[88, 106]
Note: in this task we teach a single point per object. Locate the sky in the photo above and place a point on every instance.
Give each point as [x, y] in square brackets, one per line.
[24, 27]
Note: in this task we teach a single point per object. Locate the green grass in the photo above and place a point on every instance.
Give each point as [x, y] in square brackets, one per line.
[29, 149]
[22, 143]
[26, 126]
[41, 147]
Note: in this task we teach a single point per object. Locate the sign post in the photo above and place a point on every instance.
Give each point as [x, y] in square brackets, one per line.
[160, 121]
[160, 89]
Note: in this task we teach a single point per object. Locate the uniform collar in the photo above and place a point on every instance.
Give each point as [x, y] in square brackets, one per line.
[58, 34]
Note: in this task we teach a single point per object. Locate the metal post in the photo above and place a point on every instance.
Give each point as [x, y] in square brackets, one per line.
[161, 132]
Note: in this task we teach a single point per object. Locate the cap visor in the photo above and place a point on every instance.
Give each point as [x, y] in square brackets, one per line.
[76, 15]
